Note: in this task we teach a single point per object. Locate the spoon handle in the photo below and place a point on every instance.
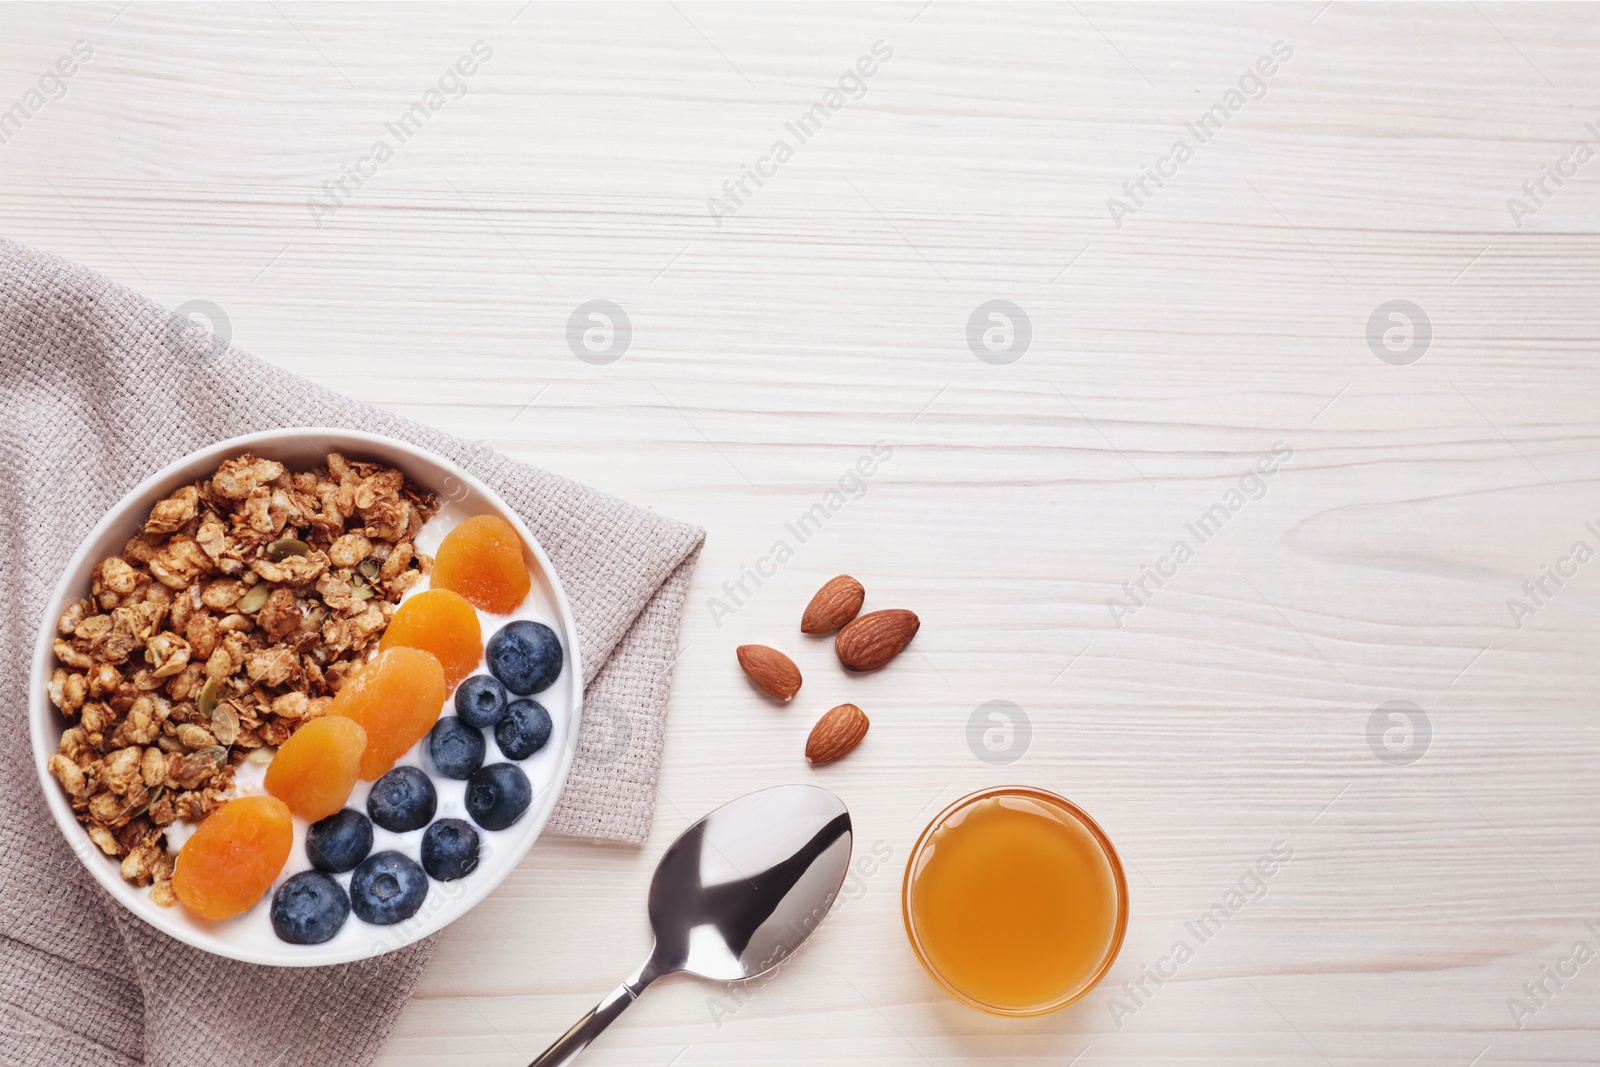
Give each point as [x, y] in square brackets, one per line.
[602, 1015]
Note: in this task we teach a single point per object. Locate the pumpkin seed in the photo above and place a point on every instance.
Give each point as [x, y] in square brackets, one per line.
[284, 547]
[254, 598]
[207, 700]
[263, 754]
[225, 724]
[215, 753]
[155, 793]
[359, 589]
[369, 569]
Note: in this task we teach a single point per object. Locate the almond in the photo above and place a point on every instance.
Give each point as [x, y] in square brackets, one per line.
[835, 604]
[772, 672]
[836, 733]
[876, 638]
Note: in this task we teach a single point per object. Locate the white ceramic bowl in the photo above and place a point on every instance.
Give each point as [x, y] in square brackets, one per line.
[250, 937]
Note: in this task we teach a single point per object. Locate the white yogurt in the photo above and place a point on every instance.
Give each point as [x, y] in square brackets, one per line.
[542, 769]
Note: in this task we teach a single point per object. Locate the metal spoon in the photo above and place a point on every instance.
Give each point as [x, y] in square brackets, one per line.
[734, 896]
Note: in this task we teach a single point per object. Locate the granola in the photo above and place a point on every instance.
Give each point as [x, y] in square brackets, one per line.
[234, 615]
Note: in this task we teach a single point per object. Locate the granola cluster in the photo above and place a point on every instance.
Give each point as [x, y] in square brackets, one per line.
[233, 616]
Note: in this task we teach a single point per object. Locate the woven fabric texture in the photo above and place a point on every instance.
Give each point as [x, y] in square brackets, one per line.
[98, 388]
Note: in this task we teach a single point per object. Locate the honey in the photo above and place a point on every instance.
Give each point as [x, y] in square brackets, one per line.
[1015, 901]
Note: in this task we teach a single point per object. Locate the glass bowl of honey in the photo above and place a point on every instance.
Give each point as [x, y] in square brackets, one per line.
[1015, 901]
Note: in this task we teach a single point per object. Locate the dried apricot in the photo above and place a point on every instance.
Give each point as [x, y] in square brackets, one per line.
[315, 770]
[482, 560]
[442, 622]
[231, 860]
[396, 698]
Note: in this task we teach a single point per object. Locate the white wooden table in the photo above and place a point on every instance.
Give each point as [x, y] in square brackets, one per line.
[1441, 858]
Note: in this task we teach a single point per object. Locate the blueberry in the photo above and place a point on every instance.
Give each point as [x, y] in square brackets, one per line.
[450, 849]
[526, 656]
[524, 730]
[402, 800]
[498, 795]
[309, 908]
[339, 842]
[481, 700]
[456, 748]
[387, 888]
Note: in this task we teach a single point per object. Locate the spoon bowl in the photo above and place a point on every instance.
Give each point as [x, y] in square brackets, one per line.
[734, 896]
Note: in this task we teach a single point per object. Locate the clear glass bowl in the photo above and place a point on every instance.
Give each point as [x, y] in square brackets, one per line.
[1068, 811]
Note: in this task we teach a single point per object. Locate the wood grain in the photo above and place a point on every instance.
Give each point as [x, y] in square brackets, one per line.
[1227, 315]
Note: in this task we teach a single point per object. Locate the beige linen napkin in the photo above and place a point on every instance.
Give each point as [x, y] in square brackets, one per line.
[98, 388]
